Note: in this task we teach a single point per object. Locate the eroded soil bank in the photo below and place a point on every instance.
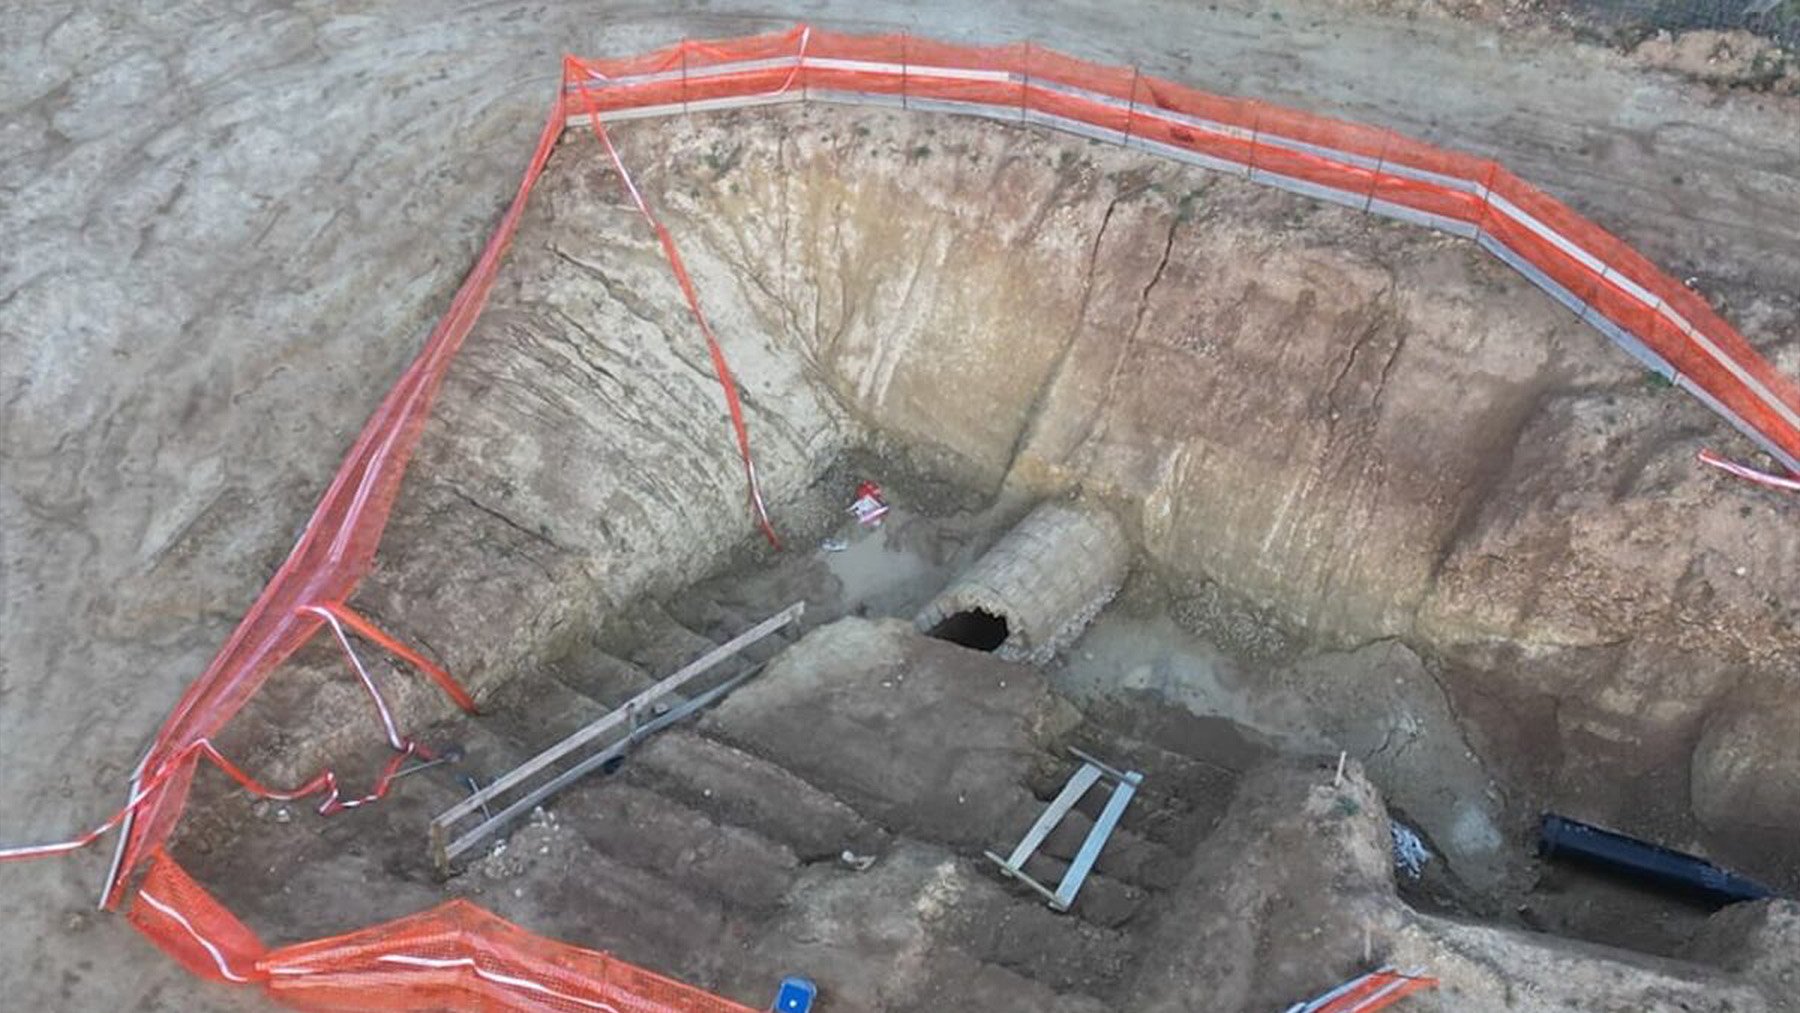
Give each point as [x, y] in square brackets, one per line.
[1386, 498]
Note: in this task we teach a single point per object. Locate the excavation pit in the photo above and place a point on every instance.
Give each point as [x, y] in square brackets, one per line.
[1366, 491]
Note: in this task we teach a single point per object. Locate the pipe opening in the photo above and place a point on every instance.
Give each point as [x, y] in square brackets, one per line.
[976, 629]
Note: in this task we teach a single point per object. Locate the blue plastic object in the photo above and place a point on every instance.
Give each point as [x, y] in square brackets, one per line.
[795, 995]
[1560, 837]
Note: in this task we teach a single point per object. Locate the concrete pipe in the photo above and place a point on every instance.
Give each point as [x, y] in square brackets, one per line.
[1035, 591]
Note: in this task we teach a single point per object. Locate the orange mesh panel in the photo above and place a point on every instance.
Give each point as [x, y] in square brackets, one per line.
[874, 51]
[1764, 417]
[1307, 159]
[1612, 300]
[190, 925]
[708, 52]
[1706, 372]
[1544, 251]
[459, 956]
[1430, 196]
[1049, 65]
[1630, 292]
[987, 74]
[1701, 315]
[1628, 262]
[777, 73]
[864, 48]
[1233, 121]
[1078, 108]
[655, 61]
[1055, 85]
[612, 96]
[1680, 352]
[1559, 217]
[1338, 135]
[1403, 150]
[652, 79]
[764, 81]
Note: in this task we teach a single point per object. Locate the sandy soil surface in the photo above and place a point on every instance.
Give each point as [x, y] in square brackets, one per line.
[227, 231]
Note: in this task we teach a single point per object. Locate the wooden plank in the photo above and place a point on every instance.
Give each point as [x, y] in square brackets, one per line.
[583, 736]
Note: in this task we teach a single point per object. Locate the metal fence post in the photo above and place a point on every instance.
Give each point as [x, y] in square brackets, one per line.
[1487, 191]
[1131, 105]
[1024, 82]
[903, 64]
[1255, 135]
[1387, 140]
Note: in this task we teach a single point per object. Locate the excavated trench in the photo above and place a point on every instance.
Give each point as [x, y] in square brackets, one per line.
[1321, 484]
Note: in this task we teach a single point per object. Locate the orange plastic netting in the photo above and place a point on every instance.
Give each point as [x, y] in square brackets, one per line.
[454, 956]
[458, 956]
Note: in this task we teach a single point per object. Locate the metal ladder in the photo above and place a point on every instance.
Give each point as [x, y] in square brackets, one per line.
[627, 726]
[1125, 784]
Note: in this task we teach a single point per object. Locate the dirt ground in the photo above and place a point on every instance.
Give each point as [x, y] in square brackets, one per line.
[719, 851]
[828, 817]
[227, 230]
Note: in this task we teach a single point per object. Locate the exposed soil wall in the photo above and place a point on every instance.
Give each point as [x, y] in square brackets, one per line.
[1465, 533]
[1360, 430]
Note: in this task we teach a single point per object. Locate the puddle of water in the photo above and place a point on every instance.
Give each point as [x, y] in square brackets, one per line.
[895, 569]
[1126, 654]
[881, 573]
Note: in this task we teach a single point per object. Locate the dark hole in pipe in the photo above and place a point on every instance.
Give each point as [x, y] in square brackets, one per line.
[976, 629]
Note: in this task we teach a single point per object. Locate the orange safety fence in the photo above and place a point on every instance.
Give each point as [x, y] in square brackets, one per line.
[1367, 993]
[454, 956]
[459, 956]
[1660, 321]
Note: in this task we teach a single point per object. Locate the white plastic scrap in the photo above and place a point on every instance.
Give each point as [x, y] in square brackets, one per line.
[1410, 853]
